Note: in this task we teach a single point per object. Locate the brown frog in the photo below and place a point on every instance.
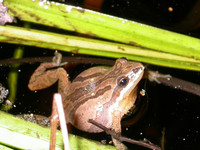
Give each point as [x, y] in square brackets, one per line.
[99, 93]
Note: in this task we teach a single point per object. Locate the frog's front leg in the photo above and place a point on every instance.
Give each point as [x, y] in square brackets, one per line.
[49, 73]
[116, 126]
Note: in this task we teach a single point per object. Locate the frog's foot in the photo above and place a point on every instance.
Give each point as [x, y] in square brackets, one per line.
[49, 73]
[118, 144]
[57, 59]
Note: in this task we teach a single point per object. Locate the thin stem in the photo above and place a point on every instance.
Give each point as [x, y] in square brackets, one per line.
[61, 114]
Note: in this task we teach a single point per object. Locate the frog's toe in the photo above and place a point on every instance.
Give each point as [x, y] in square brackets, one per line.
[57, 58]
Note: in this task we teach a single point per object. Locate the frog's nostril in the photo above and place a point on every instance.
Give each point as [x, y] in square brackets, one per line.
[135, 70]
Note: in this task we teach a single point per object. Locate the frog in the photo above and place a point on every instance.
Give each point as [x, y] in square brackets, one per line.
[99, 93]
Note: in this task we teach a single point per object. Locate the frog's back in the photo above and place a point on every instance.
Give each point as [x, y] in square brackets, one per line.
[85, 81]
[81, 88]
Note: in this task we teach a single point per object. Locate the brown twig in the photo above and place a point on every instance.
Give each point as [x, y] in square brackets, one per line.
[64, 59]
[174, 82]
[119, 137]
[151, 75]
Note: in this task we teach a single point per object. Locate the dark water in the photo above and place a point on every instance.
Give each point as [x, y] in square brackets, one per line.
[172, 114]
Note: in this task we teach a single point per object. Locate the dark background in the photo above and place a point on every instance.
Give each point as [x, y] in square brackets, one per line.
[170, 110]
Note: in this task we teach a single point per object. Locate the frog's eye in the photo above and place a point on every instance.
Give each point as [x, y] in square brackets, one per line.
[122, 81]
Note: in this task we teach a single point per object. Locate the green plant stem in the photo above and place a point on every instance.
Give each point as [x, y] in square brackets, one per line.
[104, 26]
[12, 79]
[20, 134]
[81, 45]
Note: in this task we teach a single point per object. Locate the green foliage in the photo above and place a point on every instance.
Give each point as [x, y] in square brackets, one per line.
[140, 42]
[20, 134]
